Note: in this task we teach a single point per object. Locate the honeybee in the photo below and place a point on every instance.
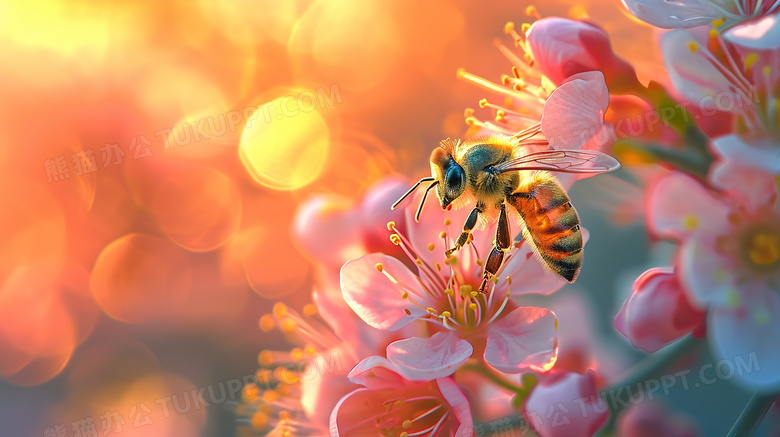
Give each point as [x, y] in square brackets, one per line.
[494, 172]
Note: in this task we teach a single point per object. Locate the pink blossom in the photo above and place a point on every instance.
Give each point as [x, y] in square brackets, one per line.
[733, 71]
[692, 13]
[650, 419]
[729, 260]
[389, 404]
[565, 404]
[657, 312]
[441, 297]
[562, 47]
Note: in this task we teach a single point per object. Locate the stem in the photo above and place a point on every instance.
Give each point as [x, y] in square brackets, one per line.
[494, 377]
[646, 369]
[751, 416]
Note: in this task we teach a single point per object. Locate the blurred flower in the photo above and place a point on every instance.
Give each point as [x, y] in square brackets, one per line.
[729, 261]
[387, 295]
[567, 405]
[650, 419]
[691, 13]
[730, 71]
[392, 405]
[658, 312]
[561, 48]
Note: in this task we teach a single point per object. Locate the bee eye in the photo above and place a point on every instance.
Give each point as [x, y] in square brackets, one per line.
[454, 176]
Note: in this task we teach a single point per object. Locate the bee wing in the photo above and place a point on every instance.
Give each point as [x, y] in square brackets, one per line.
[566, 161]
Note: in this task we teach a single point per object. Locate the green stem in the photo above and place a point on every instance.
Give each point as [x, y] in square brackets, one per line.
[494, 377]
[647, 369]
[751, 416]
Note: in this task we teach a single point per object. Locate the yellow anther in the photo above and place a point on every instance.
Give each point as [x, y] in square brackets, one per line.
[418, 261]
[265, 358]
[465, 289]
[509, 280]
[494, 280]
[395, 239]
[407, 311]
[474, 294]
[404, 295]
[525, 27]
[438, 266]
[750, 60]
[284, 415]
[404, 434]
[288, 325]
[270, 396]
[479, 262]
[447, 222]
[468, 112]
[531, 11]
[482, 103]
[296, 353]
[690, 222]
[556, 324]
[267, 323]
[473, 306]
[430, 310]
[380, 267]
[446, 314]
[309, 349]
[250, 391]
[390, 225]
[442, 234]
[692, 46]
[309, 309]
[449, 292]
[280, 310]
[767, 70]
[459, 74]
[764, 248]
[718, 22]
[407, 423]
[509, 27]
[259, 421]
[713, 34]
[431, 246]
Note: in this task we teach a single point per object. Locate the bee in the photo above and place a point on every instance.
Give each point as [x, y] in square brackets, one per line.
[493, 171]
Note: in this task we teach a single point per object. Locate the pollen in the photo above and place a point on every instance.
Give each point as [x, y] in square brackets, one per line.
[750, 60]
[266, 322]
[280, 310]
[509, 27]
[483, 103]
[690, 222]
[531, 11]
[390, 226]
[442, 234]
[309, 309]
[474, 294]
[431, 246]
[407, 423]
[449, 292]
[395, 239]
[265, 358]
[718, 22]
[430, 310]
[693, 47]
[404, 295]
[446, 314]
[525, 27]
[473, 306]
[447, 222]
[380, 267]
[764, 248]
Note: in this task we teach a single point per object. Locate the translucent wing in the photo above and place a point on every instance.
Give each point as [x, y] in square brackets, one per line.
[566, 161]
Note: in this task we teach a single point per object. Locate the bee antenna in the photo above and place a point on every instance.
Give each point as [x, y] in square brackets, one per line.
[422, 201]
[411, 190]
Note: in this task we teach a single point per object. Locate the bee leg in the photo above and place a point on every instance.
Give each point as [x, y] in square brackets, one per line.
[501, 245]
[471, 221]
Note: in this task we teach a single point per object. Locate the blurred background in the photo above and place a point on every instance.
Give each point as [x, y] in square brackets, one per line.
[153, 155]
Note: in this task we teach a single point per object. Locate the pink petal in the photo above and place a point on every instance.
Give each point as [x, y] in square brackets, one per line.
[566, 404]
[746, 169]
[680, 206]
[459, 404]
[348, 418]
[670, 15]
[708, 277]
[326, 229]
[574, 112]
[429, 358]
[746, 340]
[320, 394]
[523, 340]
[692, 74]
[374, 297]
[657, 312]
[374, 213]
[376, 373]
[762, 33]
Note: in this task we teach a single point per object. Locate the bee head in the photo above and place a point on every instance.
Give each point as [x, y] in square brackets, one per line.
[450, 176]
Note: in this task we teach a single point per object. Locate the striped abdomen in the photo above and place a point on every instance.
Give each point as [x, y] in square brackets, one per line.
[552, 225]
